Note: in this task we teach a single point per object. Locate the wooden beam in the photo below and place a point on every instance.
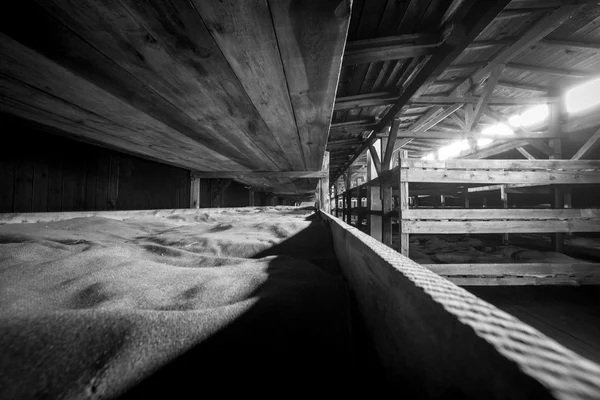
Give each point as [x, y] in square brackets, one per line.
[389, 48]
[360, 101]
[535, 33]
[389, 148]
[438, 118]
[570, 44]
[522, 86]
[587, 147]
[541, 145]
[504, 165]
[260, 174]
[501, 214]
[324, 201]
[461, 135]
[462, 125]
[525, 153]
[484, 44]
[195, 192]
[485, 96]
[497, 149]
[375, 159]
[524, 269]
[468, 21]
[551, 71]
[456, 227]
[493, 101]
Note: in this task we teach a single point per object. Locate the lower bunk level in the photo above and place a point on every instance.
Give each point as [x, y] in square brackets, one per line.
[253, 300]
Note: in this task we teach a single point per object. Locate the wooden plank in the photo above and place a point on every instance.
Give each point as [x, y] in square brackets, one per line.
[542, 226]
[438, 118]
[260, 174]
[106, 46]
[311, 38]
[403, 207]
[587, 147]
[502, 214]
[486, 177]
[387, 48]
[493, 101]
[23, 193]
[523, 281]
[514, 165]
[7, 183]
[361, 101]
[571, 44]
[324, 185]
[250, 46]
[407, 310]
[525, 269]
[485, 97]
[40, 184]
[195, 192]
[551, 71]
[375, 159]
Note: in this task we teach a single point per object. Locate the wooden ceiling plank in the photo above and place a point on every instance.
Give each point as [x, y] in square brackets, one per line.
[204, 67]
[311, 37]
[571, 44]
[117, 69]
[57, 91]
[461, 135]
[245, 34]
[450, 100]
[551, 71]
[259, 174]
[383, 49]
[522, 86]
[587, 147]
[534, 34]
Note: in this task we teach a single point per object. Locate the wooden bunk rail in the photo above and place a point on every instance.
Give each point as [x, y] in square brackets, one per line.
[591, 270]
[507, 165]
[482, 176]
[502, 214]
[445, 339]
[495, 226]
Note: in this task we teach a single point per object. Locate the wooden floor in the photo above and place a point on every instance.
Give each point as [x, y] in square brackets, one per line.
[569, 315]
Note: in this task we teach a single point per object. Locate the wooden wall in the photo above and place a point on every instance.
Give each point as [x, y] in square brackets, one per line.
[42, 172]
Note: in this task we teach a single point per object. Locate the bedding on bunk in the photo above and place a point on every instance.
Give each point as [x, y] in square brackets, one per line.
[236, 301]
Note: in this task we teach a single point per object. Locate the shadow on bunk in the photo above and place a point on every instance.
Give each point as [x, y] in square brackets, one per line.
[301, 335]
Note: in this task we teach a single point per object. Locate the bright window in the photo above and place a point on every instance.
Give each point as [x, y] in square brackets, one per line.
[498, 130]
[530, 117]
[583, 96]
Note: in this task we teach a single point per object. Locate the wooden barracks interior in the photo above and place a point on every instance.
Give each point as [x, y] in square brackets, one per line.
[434, 163]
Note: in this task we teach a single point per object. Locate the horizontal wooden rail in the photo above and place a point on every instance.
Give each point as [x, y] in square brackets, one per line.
[515, 165]
[499, 176]
[494, 226]
[501, 214]
[522, 269]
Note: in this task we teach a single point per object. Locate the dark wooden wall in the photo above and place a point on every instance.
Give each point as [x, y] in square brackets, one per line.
[42, 172]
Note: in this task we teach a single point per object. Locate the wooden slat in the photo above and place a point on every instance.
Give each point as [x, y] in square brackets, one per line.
[487, 177]
[246, 37]
[544, 226]
[311, 38]
[524, 269]
[516, 165]
[494, 101]
[524, 281]
[551, 71]
[525, 153]
[389, 48]
[260, 174]
[501, 214]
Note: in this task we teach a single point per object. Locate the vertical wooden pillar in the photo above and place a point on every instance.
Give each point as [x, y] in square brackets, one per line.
[251, 197]
[113, 182]
[403, 244]
[374, 222]
[335, 196]
[504, 200]
[348, 199]
[324, 185]
[558, 239]
[195, 192]
[466, 198]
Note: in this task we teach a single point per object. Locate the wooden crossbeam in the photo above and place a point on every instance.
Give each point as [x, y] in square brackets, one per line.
[359, 101]
[493, 101]
[485, 96]
[522, 86]
[459, 121]
[438, 118]
[505, 165]
[551, 71]
[571, 44]
[460, 135]
[547, 226]
[498, 149]
[484, 44]
[466, 22]
[588, 146]
[390, 48]
[259, 174]
[463, 66]
[542, 146]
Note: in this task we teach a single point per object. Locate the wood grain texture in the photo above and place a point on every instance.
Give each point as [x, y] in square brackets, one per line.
[245, 35]
[489, 177]
[541, 226]
[502, 214]
[514, 165]
[311, 35]
[523, 281]
[538, 270]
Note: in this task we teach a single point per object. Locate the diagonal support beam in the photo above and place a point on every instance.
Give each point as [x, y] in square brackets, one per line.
[485, 96]
[439, 118]
[588, 146]
[389, 148]
[375, 159]
[525, 153]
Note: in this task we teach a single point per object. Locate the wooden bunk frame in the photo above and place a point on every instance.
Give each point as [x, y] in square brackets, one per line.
[458, 176]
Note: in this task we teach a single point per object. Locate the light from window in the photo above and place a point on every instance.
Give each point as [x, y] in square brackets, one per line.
[498, 130]
[584, 96]
[529, 117]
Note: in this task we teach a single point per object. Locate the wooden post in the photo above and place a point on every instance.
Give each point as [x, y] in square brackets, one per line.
[251, 197]
[324, 185]
[504, 200]
[195, 192]
[386, 191]
[113, 182]
[403, 245]
[335, 196]
[558, 201]
[348, 195]
[374, 224]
